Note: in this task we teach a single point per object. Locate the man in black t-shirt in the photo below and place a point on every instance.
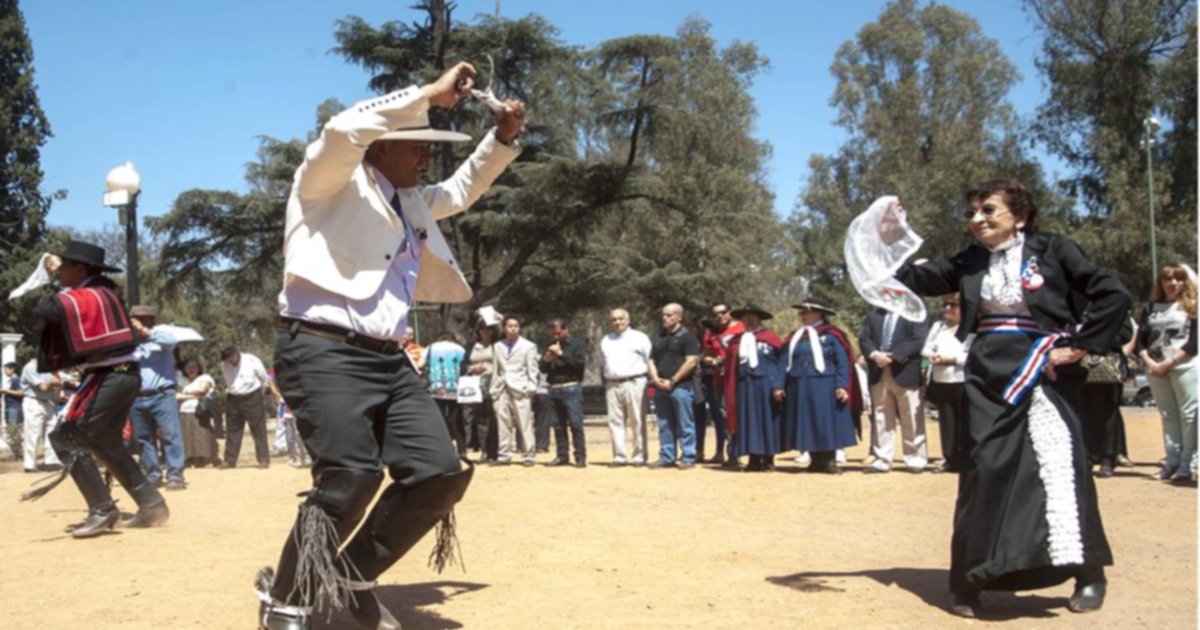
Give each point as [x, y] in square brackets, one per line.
[563, 364]
[673, 360]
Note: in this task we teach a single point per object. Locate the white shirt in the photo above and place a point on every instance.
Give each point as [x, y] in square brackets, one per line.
[943, 342]
[625, 355]
[381, 316]
[204, 384]
[1168, 322]
[248, 377]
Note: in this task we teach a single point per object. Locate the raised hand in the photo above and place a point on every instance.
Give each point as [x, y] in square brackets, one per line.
[450, 88]
[510, 120]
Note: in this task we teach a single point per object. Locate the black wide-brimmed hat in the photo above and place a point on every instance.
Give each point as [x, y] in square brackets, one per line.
[88, 254]
[752, 308]
[814, 306]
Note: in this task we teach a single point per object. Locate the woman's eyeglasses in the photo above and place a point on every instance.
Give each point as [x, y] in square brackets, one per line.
[988, 209]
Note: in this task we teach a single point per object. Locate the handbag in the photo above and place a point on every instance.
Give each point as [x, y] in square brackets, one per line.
[470, 389]
[1105, 368]
[206, 411]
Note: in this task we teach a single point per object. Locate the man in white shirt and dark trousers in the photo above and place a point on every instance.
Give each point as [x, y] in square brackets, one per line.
[626, 354]
[361, 245]
[245, 378]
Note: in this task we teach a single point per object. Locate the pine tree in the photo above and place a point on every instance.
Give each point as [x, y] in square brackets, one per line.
[23, 131]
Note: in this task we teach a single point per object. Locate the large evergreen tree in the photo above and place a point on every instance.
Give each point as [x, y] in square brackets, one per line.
[1110, 64]
[631, 189]
[23, 131]
[922, 95]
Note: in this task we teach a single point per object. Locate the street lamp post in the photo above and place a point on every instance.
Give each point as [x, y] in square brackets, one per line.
[1150, 125]
[124, 185]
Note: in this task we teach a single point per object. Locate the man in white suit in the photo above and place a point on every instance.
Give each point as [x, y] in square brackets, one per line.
[514, 380]
[361, 245]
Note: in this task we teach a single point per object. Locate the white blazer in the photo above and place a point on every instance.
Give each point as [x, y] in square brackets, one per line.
[341, 233]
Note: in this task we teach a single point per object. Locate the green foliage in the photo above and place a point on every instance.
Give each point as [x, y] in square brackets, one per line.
[220, 267]
[1109, 65]
[23, 131]
[639, 183]
[921, 94]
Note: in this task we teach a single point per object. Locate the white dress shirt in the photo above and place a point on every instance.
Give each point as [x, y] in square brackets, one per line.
[625, 355]
[381, 316]
[942, 341]
[248, 377]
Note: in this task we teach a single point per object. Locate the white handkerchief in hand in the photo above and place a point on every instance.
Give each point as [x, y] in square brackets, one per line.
[39, 278]
[873, 260]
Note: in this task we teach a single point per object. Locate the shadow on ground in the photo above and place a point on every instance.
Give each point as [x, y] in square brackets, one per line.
[930, 586]
[406, 602]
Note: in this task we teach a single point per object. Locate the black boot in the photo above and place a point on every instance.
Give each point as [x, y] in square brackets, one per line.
[152, 508]
[273, 615]
[402, 517]
[310, 573]
[966, 604]
[824, 462]
[102, 512]
[1090, 589]
[368, 611]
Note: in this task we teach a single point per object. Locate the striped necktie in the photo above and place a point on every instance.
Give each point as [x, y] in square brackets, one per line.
[889, 330]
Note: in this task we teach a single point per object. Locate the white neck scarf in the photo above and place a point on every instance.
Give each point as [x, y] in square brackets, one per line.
[1002, 284]
[814, 343]
[748, 349]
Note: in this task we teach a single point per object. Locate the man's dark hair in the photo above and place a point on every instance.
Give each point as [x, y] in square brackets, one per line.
[557, 323]
[513, 318]
[10, 365]
[229, 351]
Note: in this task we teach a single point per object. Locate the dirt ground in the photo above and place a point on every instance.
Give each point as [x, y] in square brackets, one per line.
[602, 548]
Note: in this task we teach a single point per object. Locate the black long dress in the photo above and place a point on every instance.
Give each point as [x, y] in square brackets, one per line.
[1026, 515]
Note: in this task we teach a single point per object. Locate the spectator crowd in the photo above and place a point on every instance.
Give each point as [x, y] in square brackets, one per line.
[504, 398]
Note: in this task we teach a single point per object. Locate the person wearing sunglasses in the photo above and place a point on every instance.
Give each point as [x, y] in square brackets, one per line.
[947, 355]
[1027, 516]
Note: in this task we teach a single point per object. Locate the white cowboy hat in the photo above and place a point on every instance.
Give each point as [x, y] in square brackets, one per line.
[418, 129]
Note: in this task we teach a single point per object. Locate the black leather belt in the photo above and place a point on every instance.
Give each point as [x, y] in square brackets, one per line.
[337, 333]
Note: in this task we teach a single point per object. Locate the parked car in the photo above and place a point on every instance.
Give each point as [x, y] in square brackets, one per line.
[1136, 392]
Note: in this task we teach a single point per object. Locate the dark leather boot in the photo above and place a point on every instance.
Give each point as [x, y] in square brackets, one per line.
[152, 508]
[368, 611]
[273, 615]
[333, 508]
[401, 518]
[1090, 589]
[966, 604]
[99, 520]
[102, 512]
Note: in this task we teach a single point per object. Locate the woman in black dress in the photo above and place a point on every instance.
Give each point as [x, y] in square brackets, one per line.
[1026, 515]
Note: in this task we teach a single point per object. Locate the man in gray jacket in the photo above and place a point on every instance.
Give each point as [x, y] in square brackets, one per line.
[513, 385]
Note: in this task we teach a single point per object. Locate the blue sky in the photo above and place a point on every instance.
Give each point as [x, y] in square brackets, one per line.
[183, 89]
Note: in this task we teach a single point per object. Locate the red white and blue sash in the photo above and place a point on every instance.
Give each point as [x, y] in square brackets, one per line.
[1027, 374]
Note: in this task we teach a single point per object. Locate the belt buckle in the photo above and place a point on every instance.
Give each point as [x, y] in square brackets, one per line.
[390, 347]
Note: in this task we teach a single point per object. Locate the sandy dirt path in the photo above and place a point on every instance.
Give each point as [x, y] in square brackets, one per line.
[602, 548]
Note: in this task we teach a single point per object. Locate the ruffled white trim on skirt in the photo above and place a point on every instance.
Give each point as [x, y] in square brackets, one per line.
[1052, 446]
